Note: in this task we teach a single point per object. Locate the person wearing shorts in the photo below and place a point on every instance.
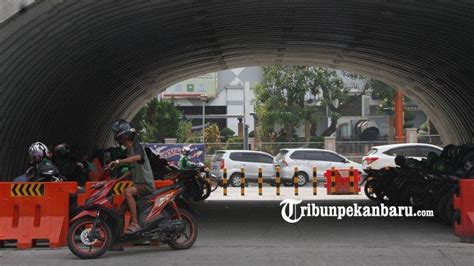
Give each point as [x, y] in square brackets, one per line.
[140, 169]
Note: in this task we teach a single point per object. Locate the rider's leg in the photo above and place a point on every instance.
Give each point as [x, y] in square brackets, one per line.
[132, 205]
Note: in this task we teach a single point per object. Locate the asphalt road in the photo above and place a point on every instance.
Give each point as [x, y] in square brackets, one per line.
[236, 232]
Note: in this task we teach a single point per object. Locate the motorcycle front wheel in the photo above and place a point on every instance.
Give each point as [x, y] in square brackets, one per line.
[86, 244]
[186, 239]
[206, 190]
[212, 180]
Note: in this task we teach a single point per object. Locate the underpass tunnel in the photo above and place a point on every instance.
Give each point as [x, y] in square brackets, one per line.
[68, 69]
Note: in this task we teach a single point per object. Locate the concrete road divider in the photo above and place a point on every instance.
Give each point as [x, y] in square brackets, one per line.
[34, 211]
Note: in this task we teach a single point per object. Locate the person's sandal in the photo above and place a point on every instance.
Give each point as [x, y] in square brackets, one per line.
[132, 228]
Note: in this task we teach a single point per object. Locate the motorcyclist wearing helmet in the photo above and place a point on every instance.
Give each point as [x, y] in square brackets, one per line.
[185, 162]
[41, 165]
[68, 165]
[142, 175]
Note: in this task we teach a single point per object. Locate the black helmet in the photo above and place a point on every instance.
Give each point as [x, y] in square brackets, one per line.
[61, 150]
[123, 131]
[400, 160]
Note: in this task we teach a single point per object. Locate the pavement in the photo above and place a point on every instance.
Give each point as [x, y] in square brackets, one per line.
[238, 231]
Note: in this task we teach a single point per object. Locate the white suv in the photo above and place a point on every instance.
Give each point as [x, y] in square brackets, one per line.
[384, 156]
[233, 160]
[306, 159]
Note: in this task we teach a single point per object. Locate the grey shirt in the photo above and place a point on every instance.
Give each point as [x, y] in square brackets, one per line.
[141, 170]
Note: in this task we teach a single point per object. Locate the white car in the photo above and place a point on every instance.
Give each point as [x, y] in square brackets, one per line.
[384, 156]
[306, 159]
[233, 160]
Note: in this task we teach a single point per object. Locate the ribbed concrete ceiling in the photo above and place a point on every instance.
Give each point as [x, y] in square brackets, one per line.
[69, 68]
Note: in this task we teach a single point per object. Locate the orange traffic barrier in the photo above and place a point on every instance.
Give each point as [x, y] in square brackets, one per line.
[32, 211]
[342, 181]
[464, 207]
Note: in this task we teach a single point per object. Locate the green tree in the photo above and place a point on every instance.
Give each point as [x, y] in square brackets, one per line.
[157, 120]
[212, 137]
[290, 95]
[184, 132]
[227, 133]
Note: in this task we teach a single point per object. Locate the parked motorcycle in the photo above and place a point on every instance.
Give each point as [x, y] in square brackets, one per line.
[98, 225]
[196, 186]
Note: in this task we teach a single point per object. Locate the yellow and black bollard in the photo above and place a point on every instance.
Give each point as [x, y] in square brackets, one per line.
[333, 180]
[260, 181]
[351, 180]
[242, 181]
[315, 182]
[295, 181]
[224, 181]
[277, 180]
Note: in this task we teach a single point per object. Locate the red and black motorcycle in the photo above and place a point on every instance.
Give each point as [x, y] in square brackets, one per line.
[98, 224]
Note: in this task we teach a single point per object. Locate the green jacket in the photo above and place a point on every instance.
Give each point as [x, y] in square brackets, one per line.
[185, 163]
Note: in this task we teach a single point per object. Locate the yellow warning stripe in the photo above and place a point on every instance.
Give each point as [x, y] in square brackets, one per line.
[26, 190]
[119, 188]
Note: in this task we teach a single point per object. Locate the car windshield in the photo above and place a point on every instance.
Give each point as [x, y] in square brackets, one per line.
[281, 155]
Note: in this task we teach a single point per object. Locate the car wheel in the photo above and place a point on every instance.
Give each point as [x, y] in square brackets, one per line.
[302, 179]
[235, 180]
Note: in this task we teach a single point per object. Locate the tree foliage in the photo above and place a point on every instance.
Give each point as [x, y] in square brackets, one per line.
[184, 132]
[212, 137]
[290, 96]
[157, 120]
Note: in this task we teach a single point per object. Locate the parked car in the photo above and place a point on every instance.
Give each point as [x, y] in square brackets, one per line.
[233, 160]
[382, 156]
[306, 159]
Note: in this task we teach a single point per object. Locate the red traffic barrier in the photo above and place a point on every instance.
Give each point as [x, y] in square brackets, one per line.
[342, 181]
[464, 206]
[32, 211]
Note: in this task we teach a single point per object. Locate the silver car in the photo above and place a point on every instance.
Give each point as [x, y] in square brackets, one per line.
[306, 159]
[233, 160]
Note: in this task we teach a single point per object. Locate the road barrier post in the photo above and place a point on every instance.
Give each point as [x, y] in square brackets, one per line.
[260, 181]
[315, 182]
[333, 180]
[224, 181]
[295, 181]
[351, 180]
[277, 180]
[242, 181]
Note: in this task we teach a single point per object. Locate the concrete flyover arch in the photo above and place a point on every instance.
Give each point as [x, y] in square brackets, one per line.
[69, 68]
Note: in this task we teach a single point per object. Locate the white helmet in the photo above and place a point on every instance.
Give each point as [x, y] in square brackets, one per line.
[37, 152]
[186, 150]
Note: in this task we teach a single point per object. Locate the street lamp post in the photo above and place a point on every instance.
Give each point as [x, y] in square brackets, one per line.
[204, 99]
